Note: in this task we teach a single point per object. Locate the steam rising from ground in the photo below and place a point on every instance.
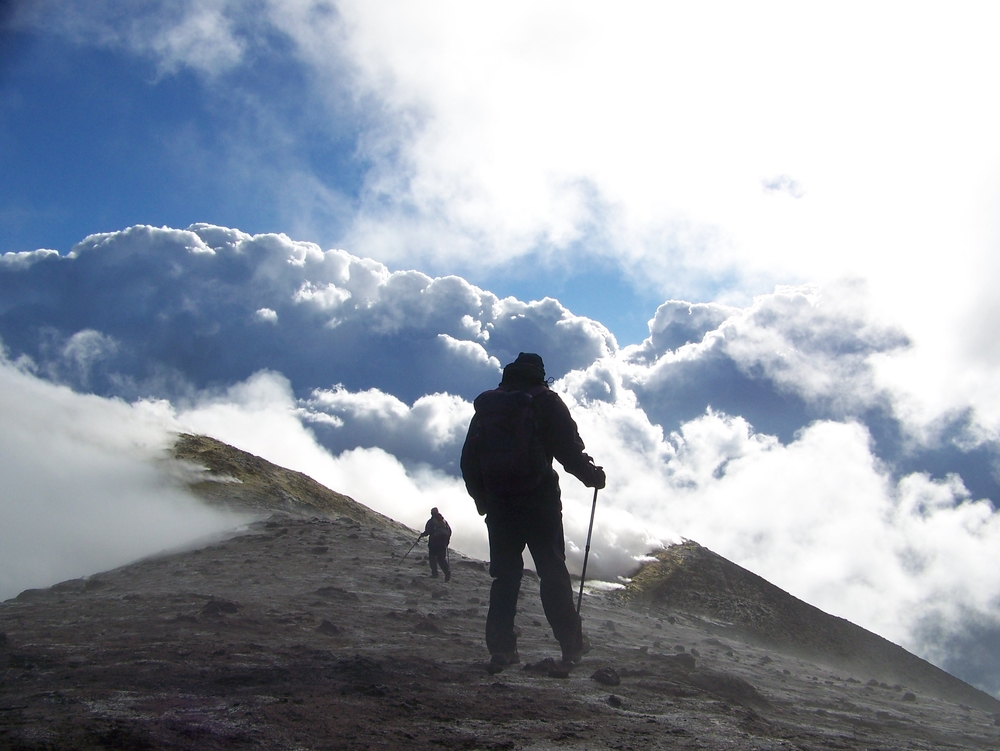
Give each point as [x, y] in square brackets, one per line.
[910, 558]
[769, 433]
[86, 486]
[840, 438]
[820, 516]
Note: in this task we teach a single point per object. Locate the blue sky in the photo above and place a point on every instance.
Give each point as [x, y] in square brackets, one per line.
[96, 139]
[612, 161]
[756, 247]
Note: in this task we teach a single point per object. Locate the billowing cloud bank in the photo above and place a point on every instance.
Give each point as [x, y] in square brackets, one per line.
[691, 141]
[765, 432]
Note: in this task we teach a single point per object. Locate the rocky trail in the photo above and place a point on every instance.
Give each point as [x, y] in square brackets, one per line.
[310, 631]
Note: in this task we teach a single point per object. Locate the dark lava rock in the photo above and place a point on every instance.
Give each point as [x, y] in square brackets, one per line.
[219, 607]
[338, 593]
[606, 677]
[727, 686]
[328, 628]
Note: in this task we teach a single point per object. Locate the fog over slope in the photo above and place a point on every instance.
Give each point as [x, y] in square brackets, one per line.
[764, 432]
[86, 486]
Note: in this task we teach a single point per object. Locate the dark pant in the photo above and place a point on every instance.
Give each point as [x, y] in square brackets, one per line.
[439, 557]
[542, 531]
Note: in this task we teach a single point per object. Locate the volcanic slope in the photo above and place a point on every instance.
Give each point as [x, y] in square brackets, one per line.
[308, 630]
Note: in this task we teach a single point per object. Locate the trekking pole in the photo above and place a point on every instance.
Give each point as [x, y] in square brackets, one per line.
[586, 555]
[408, 551]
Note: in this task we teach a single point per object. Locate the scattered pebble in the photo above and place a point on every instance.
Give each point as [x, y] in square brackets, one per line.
[327, 629]
[606, 677]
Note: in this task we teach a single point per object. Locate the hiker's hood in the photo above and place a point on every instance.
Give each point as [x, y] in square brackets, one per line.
[528, 368]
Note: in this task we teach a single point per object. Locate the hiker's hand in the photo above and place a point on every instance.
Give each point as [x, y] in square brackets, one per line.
[600, 479]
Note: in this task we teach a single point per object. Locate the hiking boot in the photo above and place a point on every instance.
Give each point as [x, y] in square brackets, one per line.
[574, 652]
[503, 659]
[447, 577]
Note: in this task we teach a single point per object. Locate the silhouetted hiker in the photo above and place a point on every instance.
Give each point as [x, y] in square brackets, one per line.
[507, 464]
[438, 534]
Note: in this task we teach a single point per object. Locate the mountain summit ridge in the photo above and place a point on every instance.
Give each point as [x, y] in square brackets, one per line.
[310, 630]
[693, 579]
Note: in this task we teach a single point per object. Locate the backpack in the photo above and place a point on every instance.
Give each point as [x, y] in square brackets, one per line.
[511, 456]
[440, 534]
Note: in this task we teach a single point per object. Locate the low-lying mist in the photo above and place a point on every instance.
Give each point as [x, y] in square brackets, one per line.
[87, 485]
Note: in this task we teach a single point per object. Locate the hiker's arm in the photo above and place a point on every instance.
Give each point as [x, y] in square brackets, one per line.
[471, 471]
[567, 447]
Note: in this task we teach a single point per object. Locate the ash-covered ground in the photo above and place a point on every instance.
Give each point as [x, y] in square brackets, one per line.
[310, 631]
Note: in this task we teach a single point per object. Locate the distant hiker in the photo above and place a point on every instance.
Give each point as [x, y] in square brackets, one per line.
[438, 534]
[516, 431]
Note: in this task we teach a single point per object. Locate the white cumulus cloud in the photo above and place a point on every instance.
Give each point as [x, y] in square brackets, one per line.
[764, 431]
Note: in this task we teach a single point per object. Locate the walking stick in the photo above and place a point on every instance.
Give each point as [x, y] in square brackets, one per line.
[408, 551]
[586, 555]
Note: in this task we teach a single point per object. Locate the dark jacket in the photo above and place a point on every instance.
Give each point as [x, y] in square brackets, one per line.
[438, 532]
[560, 439]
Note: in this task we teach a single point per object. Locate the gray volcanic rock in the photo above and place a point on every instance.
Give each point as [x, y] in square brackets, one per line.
[692, 579]
[236, 479]
[258, 642]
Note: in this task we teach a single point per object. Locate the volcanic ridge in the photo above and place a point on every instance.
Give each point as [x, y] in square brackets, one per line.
[309, 629]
